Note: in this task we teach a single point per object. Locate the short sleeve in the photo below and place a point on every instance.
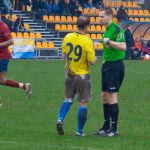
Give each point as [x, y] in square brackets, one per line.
[120, 36]
[6, 32]
[64, 45]
[90, 51]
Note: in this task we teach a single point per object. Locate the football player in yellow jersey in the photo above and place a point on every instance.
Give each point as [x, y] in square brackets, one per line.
[78, 52]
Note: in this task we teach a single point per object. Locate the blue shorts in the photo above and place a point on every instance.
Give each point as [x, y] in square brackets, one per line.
[4, 65]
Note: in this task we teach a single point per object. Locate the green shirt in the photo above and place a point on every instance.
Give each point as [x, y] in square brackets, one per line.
[115, 33]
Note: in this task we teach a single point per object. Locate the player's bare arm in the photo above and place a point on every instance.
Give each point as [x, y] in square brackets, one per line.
[7, 43]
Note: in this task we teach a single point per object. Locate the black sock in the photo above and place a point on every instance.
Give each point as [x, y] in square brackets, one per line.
[114, 113]
[106, 116]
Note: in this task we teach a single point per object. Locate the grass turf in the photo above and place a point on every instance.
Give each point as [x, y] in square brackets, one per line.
[30, 124]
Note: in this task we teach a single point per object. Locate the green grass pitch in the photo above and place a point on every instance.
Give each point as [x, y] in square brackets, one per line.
[31, 124]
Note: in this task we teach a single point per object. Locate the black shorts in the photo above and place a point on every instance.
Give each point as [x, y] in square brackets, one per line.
[112, 76]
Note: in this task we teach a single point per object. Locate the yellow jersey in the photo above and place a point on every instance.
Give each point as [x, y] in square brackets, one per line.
[79, 50]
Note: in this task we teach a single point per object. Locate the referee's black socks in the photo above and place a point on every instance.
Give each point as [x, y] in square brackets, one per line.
[114, 113]
[106, 110]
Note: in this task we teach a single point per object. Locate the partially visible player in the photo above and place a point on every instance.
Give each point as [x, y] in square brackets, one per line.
[78, 52]
[5, 41]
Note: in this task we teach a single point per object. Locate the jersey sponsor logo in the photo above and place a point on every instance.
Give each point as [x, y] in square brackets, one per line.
[120, 36]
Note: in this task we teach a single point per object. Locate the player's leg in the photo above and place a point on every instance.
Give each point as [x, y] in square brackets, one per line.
[64, 108]
[83, 85]
[12, 83]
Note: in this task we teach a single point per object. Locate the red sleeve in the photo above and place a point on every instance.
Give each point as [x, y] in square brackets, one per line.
[6, 32]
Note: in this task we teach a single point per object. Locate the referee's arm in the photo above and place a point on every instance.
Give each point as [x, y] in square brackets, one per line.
[117, 45]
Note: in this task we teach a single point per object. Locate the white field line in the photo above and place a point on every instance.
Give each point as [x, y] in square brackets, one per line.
[51, 145]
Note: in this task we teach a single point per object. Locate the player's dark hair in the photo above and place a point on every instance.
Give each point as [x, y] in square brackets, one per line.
[82, 22]
[108, 11]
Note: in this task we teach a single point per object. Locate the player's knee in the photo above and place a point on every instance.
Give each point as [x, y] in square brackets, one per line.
[104, 97]
[112, 97]
[2, 80]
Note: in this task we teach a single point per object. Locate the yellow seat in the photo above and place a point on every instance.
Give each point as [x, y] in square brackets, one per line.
[141, 12]
[99, 36]
[136, 19]
[25, 35]
[129, 4]
[63, 27]
[57, 27]
[146, 12]
[86, 11]
[51, 18]
[75, 19]
[69, 19]
[92, 28]
[97, 20]
[13, 17]
[38, 35]
[135, 12]
[100, 46]
[44, 44]
[57, 19]
[75, 27]
[92, 19]
[97, 11]
[135, 4]
[124, 3]
[45, 18]
[88, 35]
[92, 11]
[38, 45]
[98, 28]
[142, 20]
[118, 4]
[50, 45]
[69, 27]
[93, 36]
[13, 34]
[130, 12]
[27, 27]
[63, 19]
[32, 35]
[103, 28]
[147, 19]
[19, 35]
[95, 46]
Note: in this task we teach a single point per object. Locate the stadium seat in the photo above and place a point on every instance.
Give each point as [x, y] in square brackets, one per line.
[13, 17]
[86, 11]
[129, 4]
[25, 35]
[97, 11]
[38, 35]
[75, 19]
[19, 35]
[88, 35]
[135, 12]
[95, 46]
[124, 3]
[27, 27]
[38, 45]
[119, 3]
[142, 19]
[57, 27]
[141, 12]
[13, 34]
[45, 18]
[97, 20]
[92, 19]
[63, 19]
[51, 18]
[63, 27]
[93, 36]
[135, 4]
[44, 44]
[113, 4]
[92, 28]
[57, 19]
[50, 45]
[147, 19]
[146, 12]
[136, 19]
[92, 11]
[99, 36]
[131, 19]
[98, 28]
[32, 35]
[100, 45]
[130, 12]
[69, 27]
[75, 27]
[69, 19]
[103, 28]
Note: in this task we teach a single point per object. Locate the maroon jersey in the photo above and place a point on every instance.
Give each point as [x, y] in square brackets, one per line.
[5, 35]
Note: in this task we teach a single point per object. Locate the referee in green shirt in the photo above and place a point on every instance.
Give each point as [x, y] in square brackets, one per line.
[112, 72]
